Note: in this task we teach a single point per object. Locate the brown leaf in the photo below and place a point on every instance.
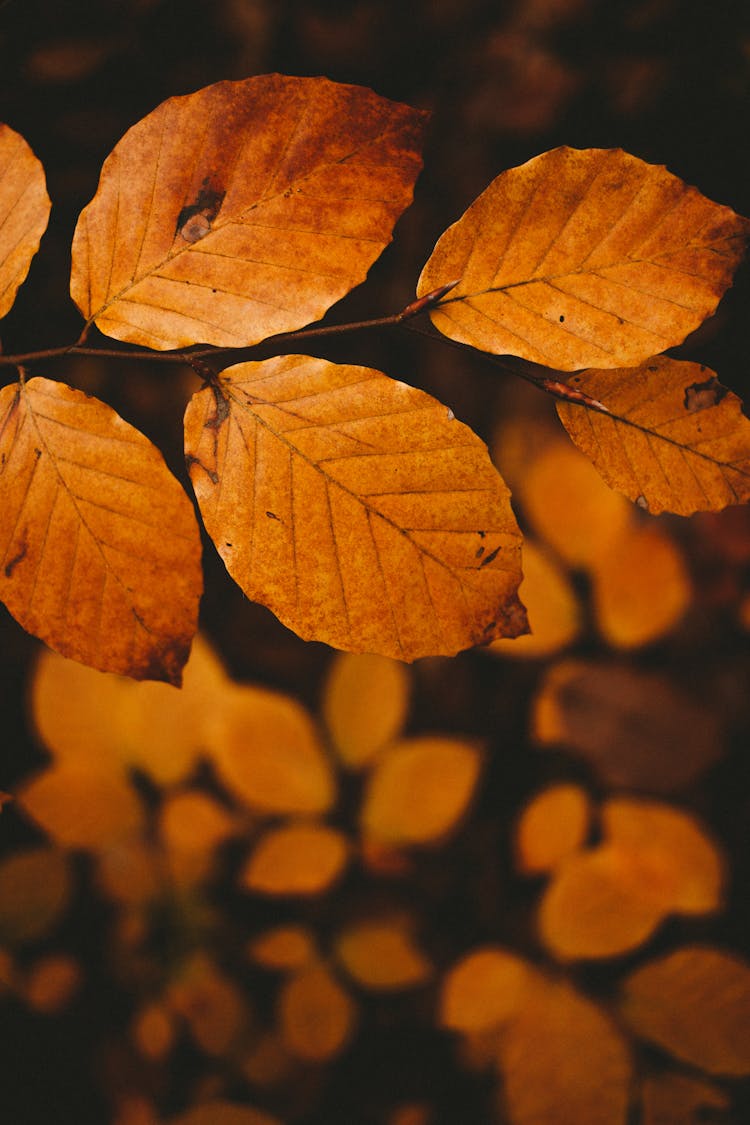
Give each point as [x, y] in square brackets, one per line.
[355, 507]
[677, 1099]
[315, 1014]
[551, 604]
[35, 886]
[365, 704]
[52, 983]
[243, 210]
[24, 211]
[584, 258]
[296, 859]
[211, 1003]
[101, 555]
[694, 1003]
[676, 440]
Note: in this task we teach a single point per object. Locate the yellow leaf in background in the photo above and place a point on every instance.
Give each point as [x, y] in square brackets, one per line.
[316, 1016]
[268, 753]
[563, 1061]
[484, 989]
[83, 805]
[283, 948]
[129, 872]
[584, 257]
[641, 587]
[380, 954]
[551, 606]
[554, 824]
[35, 888]
[695, 1004]
[355, 507]
[678, 1099]
[365, 703]
[296, 859]
[52, 982]
[211, 1003]
[76, 709]
[680, 442]
[192, 825]
[223, 1113]
[23, 201]
[570, 507]
[242, 210]
[419, 789]
[636, 729]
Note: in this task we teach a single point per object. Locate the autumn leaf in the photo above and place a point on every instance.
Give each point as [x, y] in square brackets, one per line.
[223, 1113]
[24, 211]
[485, 989]
[283, 948]
[551, 605]
[88, 805]
[355, 507]
[210, 1002]
[296, 859]
[35, 887]
[678, 1099]
[552, 826]
[364, 706]
[316, 1015]
[101, 553]
[584, 258]
[381, 954]
[676, 439]
[243, 210]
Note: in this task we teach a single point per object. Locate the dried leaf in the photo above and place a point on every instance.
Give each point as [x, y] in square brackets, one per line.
[35, 886]
[296, 859]
[584, 258]
[364, 706]
[563, 1060]
[695, 1004]
[192, 825]
[676, 1099]
[634, 728]
[316, 1016]
[419, 788]
[267, 752]
[551, 605]
[676, 439]
[554, 824]
[355, 507]
[24, 211]
[101, 556]
[52, 982]
[641, 587]
[485, 989]
[223, 1113]
[283, 948]
[243, 210]
[83, 805]
[380, 954]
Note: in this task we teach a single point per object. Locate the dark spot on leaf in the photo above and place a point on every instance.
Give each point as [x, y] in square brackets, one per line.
[491, 557]
[212, 475]
[273, 516]
[480, 552]
[228, 544]
[17, 558]
[481, 534]
[702, 396]
[194, 221]
[562, 318]
[653, 368]
[37, 453]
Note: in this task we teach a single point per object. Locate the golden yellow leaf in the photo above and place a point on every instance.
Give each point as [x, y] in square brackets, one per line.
[24, 211]
[192, 824]
[316, 1016]
[419, 788]
[551, 605]
[641, 587]
[484, 989]
[695, 1004]
[355, 507]
[211, 1004]
[283, 948]
[380, 954]
[635, 728]
[364, 706]
[584, 258]
[153, 1030]
[677, 1099]
[569, 506]
[52, 982]
[296, 859]
[677, 440]
[35, 887]
[563, 1060]
[101, 555]
[554, 824]
[268, 753]
[223, 1113]
[76, 709]
[83, 805]
[243, 210]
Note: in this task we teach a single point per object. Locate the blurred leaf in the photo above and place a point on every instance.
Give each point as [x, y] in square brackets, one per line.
[153, 1031]
[218, 203]
[283, 948]
[380, 954]
[129, 872]
[679, 441]
[268, 1062]
[192, 825]
[316, 1016]
[211, 1003]
[89, 806]
[268, 753]
[296, 859]
[24, 211]
[584, 258]
[419, 788]
[635, 728]
[357, 508]
[677, 1099]
[35, 888]
[554, 824]
[365, 705]
[223, 1113]
[695, 1004]
[641, 587]
[486, 988]
[52, 982]
[551, 606]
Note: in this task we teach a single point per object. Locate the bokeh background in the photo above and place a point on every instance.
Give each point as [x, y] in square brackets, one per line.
[656, 612]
